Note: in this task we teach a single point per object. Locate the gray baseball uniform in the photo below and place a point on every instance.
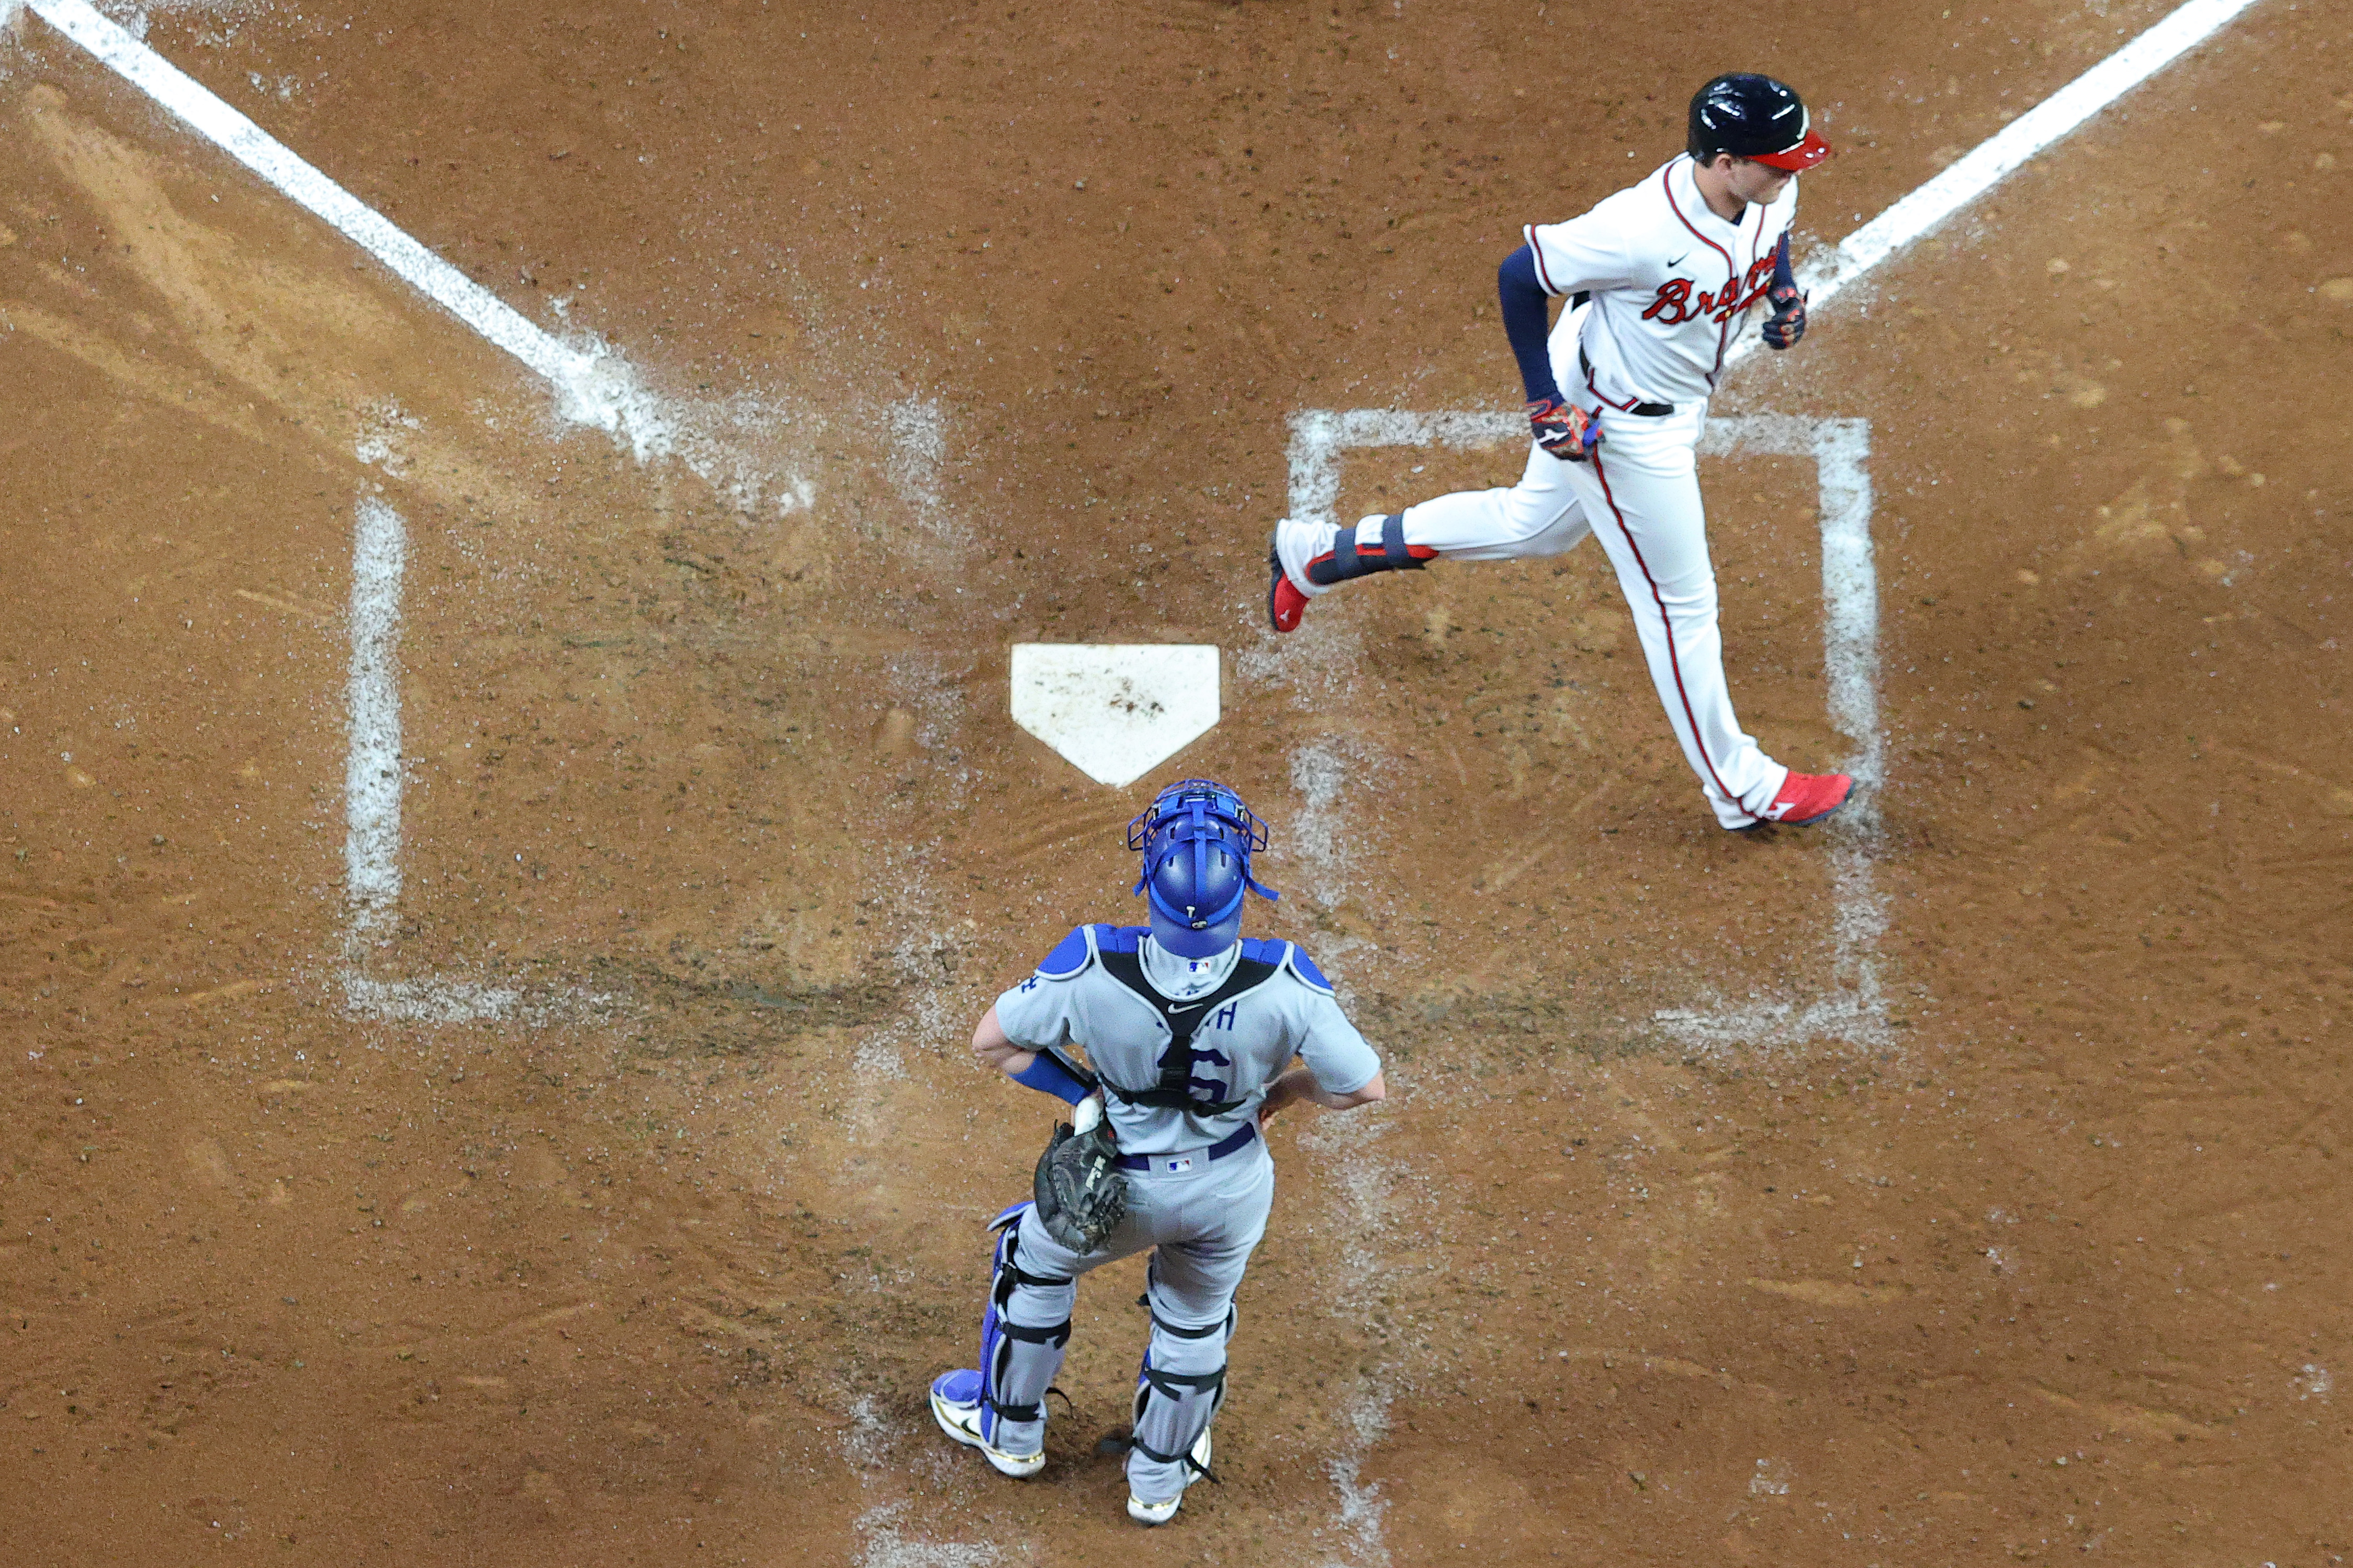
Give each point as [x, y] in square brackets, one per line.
[1199, 1179]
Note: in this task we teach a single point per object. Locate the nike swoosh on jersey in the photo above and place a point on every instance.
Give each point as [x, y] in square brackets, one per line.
[1678, 261]
[1189, 1007]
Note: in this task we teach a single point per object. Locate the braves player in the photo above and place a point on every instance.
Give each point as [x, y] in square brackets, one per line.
[1189, 1029]
[1662, 279]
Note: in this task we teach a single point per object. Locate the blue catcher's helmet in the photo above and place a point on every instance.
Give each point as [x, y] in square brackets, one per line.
[1196, 838]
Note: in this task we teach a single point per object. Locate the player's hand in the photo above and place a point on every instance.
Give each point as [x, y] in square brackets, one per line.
[1562, 428]
[1280, 1093]
[1788, 323]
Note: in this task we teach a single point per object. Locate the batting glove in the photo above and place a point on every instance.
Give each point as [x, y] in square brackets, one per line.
[1789, 321]
[1563, 429]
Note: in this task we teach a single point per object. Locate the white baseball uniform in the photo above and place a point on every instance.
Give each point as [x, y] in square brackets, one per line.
[1672, 285]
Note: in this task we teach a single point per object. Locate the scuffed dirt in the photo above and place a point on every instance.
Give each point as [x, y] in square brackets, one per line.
[979, 327]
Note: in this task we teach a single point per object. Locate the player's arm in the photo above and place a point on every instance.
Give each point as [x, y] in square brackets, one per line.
[1299, 1084]
[1558, 258]
[1527, 322]
[1340, 1069]
[1559, 427]
[1046, 1071]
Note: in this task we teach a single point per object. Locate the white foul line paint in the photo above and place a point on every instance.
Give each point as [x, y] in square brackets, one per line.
[1852, 1009]
[591, 387]
[371, 705]
[2000, 154]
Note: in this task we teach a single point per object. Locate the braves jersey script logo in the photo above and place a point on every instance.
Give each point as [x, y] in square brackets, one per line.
[1675, 303]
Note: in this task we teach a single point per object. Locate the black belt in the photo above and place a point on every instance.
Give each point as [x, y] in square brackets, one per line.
[1224, 1146]
[1647, 410]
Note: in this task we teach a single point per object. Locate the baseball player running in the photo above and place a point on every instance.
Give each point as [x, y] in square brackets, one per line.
[1661, 277]
[1188, 1029]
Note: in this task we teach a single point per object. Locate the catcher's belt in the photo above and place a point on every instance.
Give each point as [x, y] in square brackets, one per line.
[1184, 1159]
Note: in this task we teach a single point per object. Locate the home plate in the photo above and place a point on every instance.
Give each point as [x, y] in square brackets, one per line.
[1116, 710]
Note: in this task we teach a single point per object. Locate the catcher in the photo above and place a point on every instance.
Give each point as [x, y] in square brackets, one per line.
[1188, 1029]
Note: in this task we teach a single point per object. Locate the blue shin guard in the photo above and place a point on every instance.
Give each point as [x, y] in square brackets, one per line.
[1019, 1360]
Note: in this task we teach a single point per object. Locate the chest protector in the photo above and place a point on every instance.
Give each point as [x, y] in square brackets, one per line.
[1174, 1089]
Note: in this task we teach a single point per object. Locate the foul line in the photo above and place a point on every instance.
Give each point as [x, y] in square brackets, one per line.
[2003, 153]
[593, 389]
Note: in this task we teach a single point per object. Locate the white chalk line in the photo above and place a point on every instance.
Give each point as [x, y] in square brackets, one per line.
[372, 795]
[1363, 1179]
[592, 386]
[1852, 1009]
[372, 707]
[1824, 277]
[885, 1538]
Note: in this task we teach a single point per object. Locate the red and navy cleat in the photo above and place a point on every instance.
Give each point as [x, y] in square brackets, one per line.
[1284, 603]
[1806, 798]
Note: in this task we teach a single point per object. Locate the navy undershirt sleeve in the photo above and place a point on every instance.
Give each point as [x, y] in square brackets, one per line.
[1527, 322]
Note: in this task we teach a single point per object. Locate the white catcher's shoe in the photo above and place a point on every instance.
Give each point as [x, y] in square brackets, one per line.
[1144, 1512]
[956, 1406]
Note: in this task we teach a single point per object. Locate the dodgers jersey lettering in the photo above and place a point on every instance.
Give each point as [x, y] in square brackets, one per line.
[1671, 285]
[1239, 1046]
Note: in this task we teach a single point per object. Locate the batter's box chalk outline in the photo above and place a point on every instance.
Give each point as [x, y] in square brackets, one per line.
[373, 779]
[1852, 1009]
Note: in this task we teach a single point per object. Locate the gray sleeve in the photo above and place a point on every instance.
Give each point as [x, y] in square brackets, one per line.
[1336, 1053]
[1038, 1014]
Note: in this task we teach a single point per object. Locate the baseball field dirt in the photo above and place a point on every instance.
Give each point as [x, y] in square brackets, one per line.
[1954, 1183]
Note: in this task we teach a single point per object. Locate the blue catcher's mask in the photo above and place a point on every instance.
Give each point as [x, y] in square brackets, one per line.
[1197, 839]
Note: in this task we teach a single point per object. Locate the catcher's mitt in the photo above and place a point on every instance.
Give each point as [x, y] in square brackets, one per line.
[1080, 1193]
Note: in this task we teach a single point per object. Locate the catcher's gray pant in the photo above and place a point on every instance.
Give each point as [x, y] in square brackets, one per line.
[1640, 494]
[1201, 1225]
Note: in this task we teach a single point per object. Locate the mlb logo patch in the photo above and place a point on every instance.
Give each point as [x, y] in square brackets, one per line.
[1174, 1167]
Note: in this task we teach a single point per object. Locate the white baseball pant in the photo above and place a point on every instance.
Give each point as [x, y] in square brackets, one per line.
[1640, 493]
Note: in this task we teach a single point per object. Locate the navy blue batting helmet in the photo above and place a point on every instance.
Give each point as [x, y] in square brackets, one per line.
[1196, 838]
[1756, 118]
